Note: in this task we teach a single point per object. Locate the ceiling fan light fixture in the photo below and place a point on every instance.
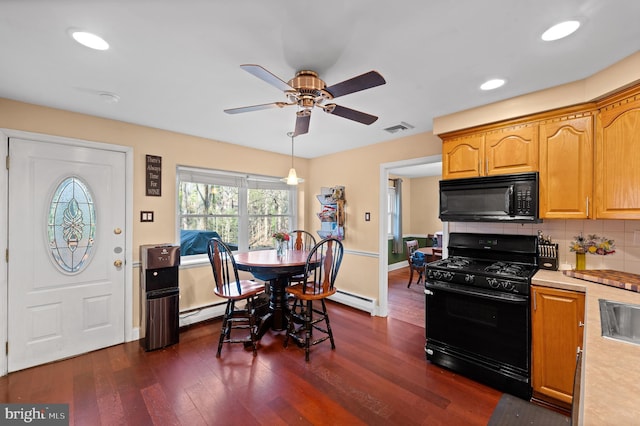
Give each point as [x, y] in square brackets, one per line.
[89, 40]
[561, 30]
[292, 178]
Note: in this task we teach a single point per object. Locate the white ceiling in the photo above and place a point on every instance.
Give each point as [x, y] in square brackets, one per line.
[175, 64]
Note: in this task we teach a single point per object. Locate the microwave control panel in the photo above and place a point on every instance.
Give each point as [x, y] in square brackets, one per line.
[524, 198]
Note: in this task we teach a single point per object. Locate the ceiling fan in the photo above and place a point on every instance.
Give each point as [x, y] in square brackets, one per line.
[307, 90]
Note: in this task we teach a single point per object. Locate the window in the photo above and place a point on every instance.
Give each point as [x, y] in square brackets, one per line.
[244, 210]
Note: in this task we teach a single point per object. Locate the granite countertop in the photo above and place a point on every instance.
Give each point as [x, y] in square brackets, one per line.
[610, 374]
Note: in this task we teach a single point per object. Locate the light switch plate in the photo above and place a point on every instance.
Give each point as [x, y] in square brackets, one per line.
[146, 216]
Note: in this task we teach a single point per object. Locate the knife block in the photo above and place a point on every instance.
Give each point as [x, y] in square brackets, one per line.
[548, 256]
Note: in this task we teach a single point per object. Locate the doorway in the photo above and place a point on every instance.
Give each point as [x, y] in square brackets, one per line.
[68, 282]
[430, 164]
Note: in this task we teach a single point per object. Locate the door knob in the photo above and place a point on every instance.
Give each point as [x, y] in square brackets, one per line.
[117, 263]
[117, 231]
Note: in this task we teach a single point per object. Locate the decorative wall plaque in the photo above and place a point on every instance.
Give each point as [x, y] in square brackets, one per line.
[154, 176]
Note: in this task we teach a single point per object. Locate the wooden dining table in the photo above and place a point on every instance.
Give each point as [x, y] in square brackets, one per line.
[432, 253]
[267, 265]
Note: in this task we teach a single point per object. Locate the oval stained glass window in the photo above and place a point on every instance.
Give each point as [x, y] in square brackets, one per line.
[71, 225]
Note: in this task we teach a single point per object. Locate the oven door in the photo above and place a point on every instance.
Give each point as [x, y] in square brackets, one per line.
[480, 333]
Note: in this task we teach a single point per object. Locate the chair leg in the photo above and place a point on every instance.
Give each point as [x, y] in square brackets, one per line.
[326, 320]
[410, 276]
[289, 316]
[308, 329]
[252, 326]
[224, 330]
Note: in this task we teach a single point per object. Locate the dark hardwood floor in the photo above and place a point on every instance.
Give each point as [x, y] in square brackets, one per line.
[377, 375]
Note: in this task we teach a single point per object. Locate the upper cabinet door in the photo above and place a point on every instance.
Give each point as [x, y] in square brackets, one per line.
[463, 157]
[566, 167]
[511, 149]
[618, 158]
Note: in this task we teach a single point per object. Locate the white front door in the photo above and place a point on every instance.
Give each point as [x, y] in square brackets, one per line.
[66, 245]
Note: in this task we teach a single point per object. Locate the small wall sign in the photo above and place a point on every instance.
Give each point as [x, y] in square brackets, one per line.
[154, 176]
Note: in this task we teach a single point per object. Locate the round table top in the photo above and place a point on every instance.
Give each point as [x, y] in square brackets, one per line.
[270, 258]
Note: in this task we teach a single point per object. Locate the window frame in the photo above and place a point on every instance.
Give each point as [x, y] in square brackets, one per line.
[244, 182]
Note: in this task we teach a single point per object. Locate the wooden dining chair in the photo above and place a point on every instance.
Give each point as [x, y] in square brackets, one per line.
[228, 286]
[303, 317]
[300, 240]
[411, 247]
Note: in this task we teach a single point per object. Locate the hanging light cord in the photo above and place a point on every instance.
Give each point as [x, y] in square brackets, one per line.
[292, 136]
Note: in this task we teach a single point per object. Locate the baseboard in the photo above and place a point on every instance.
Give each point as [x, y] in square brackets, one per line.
[355, 301]
[398, 265]
[194, 316]
[197, 315]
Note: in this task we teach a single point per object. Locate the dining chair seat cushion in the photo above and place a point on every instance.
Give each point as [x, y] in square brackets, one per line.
[298, 291]
[247, 288]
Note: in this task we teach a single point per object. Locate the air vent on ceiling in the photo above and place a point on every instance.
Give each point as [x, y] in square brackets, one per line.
[399, 127]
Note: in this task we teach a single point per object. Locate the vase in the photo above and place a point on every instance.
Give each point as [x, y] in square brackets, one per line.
[281, 247]
[581, 261]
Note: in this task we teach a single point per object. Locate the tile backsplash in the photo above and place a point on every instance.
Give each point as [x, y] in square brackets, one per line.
[625, 233]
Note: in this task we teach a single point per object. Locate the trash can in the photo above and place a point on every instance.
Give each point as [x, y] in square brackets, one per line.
[159, 295]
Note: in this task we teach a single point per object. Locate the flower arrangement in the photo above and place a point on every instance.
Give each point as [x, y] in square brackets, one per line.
[593, 244]
[281, 236]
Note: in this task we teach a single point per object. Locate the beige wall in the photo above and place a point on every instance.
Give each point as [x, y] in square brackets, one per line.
[425, 205]
[358, 170]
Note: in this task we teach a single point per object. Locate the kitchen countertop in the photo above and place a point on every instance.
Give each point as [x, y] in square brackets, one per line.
[611, 368]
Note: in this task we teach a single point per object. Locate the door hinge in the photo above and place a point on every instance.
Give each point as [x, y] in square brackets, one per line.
[6, 255]
[7, 162]
[6, 347]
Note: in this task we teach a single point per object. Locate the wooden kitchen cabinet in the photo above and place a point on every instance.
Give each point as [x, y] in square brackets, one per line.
[512, 149]
[494, 150]
[617, 166]
[566, 166]
[557, 326]
[462, 157]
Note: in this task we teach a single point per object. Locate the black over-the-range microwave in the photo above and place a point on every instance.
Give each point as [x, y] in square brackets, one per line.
[512, 198]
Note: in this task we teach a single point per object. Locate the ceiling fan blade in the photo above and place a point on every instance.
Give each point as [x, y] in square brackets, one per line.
[256, 107]
[265, 75]
[356, 84]
[351, 114]
[302, 122]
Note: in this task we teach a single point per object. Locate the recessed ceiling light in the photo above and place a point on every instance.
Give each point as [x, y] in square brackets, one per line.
[89, 40]
[492, 84]
[561, 30]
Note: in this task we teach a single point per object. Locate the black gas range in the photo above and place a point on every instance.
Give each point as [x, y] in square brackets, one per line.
[477, 309]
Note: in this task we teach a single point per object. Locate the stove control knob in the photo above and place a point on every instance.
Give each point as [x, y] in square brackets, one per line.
[508, 285]
[447, 276]
[493, 283]
[469, 278]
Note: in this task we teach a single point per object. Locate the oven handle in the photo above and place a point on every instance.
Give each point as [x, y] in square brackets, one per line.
[502, 297]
